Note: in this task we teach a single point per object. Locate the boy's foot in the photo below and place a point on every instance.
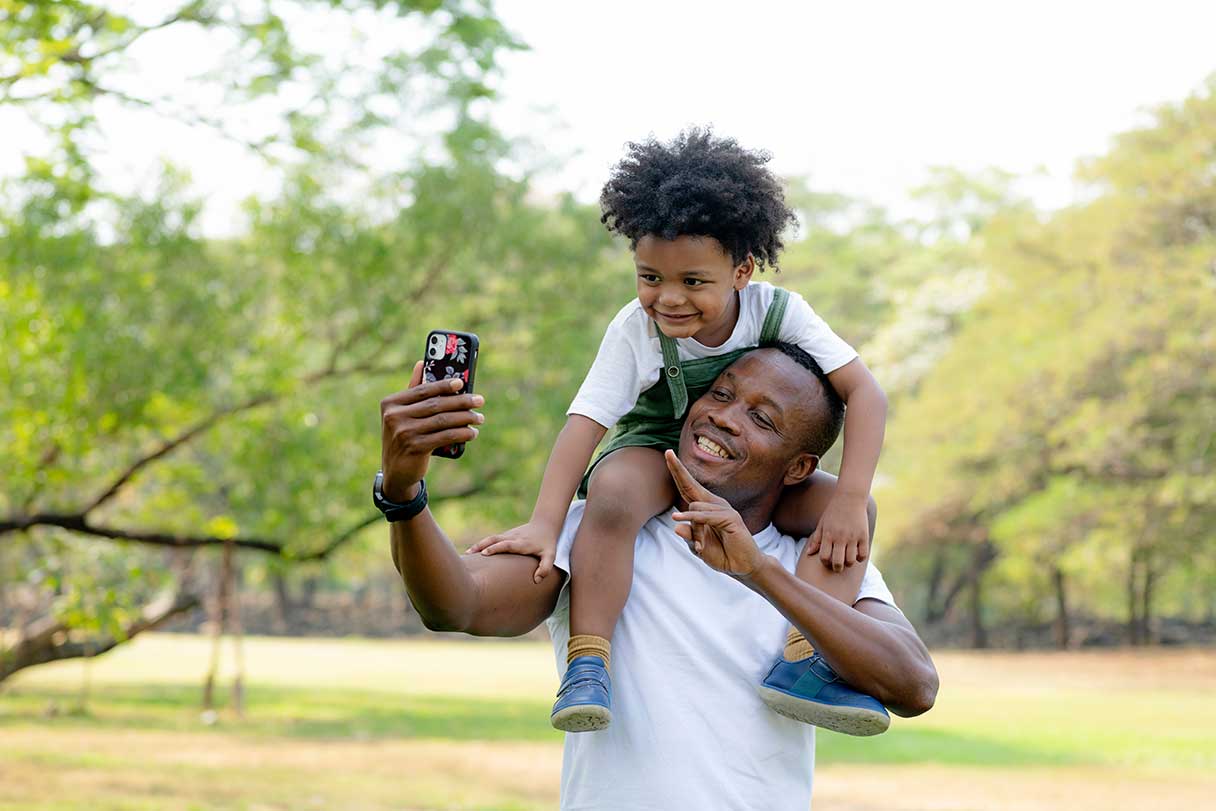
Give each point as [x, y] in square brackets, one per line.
[584, 701]
[810, 691]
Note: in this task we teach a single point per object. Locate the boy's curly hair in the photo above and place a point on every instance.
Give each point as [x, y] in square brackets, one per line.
[698, 185]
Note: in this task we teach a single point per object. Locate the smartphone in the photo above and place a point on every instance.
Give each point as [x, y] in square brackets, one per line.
[450, 354]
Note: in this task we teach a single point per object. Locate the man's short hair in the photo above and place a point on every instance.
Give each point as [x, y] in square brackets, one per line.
[818, 435]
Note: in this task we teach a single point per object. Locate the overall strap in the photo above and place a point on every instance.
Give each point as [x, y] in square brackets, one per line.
[674, 375]
[772, 319]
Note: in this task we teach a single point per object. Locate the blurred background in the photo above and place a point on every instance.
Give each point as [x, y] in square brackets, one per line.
[227, 225]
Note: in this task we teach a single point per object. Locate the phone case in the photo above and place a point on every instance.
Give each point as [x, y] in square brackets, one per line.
[450, 354]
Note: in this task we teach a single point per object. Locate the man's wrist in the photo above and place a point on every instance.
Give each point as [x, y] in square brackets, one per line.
[760, 579]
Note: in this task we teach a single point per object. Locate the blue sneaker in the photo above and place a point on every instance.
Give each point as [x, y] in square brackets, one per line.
[584, 701]
[810, 691]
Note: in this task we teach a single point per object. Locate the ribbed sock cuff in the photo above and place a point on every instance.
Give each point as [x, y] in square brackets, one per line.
[796, 646]
[589, 645]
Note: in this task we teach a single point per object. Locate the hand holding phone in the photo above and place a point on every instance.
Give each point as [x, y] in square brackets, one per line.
[450, 354]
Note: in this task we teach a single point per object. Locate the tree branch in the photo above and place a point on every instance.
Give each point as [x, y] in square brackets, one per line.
[39, 647]
[176, 540]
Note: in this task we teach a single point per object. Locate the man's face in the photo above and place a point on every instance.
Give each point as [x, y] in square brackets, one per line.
[741, 437]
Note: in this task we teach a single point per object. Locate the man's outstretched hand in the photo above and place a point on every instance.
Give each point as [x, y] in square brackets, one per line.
[418, 420]
[715, 532]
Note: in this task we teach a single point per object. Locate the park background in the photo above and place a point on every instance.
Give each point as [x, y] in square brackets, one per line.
[226, 226]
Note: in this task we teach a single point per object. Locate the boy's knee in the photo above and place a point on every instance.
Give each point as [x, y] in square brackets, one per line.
[614, 496]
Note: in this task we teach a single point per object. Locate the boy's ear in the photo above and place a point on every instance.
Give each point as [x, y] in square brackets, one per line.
[744, 271]
[801, 468]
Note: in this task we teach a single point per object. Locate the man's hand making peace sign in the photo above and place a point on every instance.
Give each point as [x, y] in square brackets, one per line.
[715, 532]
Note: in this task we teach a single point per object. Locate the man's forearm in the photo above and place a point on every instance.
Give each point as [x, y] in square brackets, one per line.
[884, 659]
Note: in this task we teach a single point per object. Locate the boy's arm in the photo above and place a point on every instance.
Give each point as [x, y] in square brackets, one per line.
[841, 534]
[564, 471]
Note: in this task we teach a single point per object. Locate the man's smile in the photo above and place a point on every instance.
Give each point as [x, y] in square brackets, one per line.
[712, 447]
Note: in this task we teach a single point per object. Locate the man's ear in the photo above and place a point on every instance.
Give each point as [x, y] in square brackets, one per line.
[744, 271]
[800, 468]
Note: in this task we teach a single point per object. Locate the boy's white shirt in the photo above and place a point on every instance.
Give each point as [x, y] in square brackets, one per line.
[630, 359]
[688, 728]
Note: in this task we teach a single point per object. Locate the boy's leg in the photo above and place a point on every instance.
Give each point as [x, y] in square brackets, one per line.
[801, 685]
[626, 489]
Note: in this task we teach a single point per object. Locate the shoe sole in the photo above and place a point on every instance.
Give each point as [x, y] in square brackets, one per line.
[847, 720]
[581, 718]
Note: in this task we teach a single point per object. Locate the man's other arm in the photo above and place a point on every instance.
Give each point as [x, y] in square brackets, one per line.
[474, 594]
[484, 596]
[871, 644]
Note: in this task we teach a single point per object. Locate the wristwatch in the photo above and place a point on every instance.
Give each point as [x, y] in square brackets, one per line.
[392, 510]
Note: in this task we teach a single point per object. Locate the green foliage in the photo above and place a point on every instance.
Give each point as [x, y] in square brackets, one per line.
[1071, 420]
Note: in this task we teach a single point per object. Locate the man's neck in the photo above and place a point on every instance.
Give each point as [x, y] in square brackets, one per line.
[756, 516]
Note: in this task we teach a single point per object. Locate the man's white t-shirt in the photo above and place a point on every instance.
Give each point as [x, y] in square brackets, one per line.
[688, 728]
[630, 358]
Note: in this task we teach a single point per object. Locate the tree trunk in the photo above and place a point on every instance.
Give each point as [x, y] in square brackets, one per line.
[1063, 625]
[238, 636]
[1146, 601]
[218, 604]
[282, 603]
[936, 575]
[980, 561]
[1133, 602]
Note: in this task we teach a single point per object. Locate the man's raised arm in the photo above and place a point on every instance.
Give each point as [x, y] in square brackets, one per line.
[484, 596]
[871, 645]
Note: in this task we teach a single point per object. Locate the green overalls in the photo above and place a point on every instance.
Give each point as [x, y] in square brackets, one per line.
[656, 420]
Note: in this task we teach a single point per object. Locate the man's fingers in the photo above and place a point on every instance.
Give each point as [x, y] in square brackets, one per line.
[422, 391]
[452, 436]
[690, 488]
[838, 557]
[416, 375]
[443, 421]
[715, 518]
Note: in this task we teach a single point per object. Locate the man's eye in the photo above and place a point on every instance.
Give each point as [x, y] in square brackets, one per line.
[720, 394]
[762, 420]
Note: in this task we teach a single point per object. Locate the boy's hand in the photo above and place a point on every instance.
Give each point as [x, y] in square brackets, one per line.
[527, 539]
[843, 535]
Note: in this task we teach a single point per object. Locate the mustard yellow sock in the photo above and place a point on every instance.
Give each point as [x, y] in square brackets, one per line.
[589, 645]
[796, 646]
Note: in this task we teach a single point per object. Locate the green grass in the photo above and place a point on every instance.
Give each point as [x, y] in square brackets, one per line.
[438, 725]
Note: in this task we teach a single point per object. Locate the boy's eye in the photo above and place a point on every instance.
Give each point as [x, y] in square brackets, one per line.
[649, 278]
[694, 282]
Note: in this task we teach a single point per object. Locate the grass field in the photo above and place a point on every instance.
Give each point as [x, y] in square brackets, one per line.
[356, 724]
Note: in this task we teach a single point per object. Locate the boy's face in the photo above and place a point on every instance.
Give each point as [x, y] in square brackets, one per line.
[687, 285]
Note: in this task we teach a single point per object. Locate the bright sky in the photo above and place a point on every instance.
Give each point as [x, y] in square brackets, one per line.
[862, 96]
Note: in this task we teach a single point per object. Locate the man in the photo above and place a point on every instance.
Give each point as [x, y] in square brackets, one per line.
[709, 603]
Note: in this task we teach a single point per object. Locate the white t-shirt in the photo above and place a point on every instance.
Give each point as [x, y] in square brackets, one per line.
[630, 359]
[688, 728]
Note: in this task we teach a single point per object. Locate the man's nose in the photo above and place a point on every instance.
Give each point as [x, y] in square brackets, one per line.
[724, 418]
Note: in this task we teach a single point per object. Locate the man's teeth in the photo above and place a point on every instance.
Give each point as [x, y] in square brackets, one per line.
[709, 446]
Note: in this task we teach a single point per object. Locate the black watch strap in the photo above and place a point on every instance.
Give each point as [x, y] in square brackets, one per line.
[394, 511]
